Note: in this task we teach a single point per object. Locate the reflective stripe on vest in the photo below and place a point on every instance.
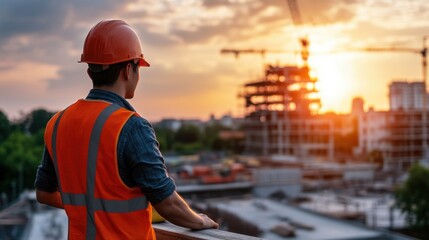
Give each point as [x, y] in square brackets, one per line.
[88, 199]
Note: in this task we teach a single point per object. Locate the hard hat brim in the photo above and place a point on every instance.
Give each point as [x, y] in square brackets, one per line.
[143, 63]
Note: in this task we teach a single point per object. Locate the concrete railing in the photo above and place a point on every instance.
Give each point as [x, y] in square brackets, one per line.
[168, 231]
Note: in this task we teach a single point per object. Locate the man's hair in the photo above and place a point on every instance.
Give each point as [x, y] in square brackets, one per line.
[108, 76]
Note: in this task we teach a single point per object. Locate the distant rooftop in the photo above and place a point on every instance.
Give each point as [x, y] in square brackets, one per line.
[267, 214]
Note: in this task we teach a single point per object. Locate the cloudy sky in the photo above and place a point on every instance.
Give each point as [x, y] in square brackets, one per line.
[41, 42]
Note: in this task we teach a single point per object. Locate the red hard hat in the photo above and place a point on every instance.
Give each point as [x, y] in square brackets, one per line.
[112, 41]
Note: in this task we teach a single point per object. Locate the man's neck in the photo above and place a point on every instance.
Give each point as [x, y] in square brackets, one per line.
[115, 89]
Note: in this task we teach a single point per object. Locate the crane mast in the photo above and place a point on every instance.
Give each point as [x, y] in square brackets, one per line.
[294, 12]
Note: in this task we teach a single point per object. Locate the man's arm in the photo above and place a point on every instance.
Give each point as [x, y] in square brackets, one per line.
[177, 211]
[46, 183]
[141, 154]
[52, 199]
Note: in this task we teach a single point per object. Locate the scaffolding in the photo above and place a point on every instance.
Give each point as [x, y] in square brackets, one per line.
[406, 139]
[281, 115]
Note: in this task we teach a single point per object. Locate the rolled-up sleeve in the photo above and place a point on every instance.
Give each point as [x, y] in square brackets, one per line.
[145, 161]
[46, 179]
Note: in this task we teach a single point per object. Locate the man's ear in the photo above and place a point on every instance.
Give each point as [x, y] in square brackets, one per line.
[126, 71]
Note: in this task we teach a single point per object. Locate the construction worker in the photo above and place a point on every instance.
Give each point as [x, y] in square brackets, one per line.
[101, 162]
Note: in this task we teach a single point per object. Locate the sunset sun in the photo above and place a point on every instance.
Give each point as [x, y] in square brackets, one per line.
[335, 90]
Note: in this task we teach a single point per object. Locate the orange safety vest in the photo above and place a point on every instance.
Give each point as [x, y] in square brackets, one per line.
[82, 142]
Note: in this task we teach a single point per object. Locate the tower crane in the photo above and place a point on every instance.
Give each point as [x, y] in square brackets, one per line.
[294, 12]
[237, 52]
[297, 20]
[421, 51]
[262, 52]
[305, 43]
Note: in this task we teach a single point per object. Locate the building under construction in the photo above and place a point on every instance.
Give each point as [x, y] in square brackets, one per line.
[281, 116]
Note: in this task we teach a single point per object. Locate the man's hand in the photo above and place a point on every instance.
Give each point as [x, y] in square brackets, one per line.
[208, 222]
[175, 210]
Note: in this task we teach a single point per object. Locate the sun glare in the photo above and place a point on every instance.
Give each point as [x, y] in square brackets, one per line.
[334, 89]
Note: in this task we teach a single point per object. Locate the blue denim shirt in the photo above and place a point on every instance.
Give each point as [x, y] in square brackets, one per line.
[140, 162]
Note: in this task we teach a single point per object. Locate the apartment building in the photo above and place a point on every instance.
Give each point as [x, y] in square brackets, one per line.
[400, 134]
[407, 96]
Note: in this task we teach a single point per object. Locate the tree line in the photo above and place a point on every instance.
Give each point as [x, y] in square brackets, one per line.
[192, 139]
[21, 149]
